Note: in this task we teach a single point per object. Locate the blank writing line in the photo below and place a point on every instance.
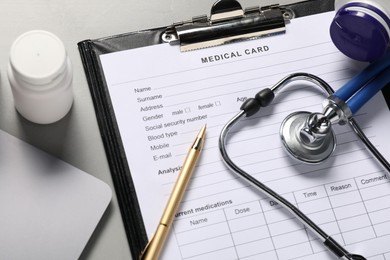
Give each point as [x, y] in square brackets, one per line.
[249, 79]
[254, 174]
[228, 93]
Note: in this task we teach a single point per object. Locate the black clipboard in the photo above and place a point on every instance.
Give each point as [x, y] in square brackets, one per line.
[90, 50]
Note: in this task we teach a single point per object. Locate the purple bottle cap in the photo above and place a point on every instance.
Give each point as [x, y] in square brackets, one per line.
[359, 35]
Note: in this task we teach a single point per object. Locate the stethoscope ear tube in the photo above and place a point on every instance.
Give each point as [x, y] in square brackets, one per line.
[262, 99]
[353, 85]
[368, 90]
[362, 87]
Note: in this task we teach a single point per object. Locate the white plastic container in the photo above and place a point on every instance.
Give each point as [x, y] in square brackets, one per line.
[40, 74]
[361, 29]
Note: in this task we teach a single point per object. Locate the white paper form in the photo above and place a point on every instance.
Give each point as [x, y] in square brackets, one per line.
[162, 97]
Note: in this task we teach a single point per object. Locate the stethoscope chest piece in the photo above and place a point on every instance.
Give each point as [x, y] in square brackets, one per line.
[308, 137]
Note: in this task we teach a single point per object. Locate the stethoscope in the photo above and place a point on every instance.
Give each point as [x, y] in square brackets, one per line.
[309, 137]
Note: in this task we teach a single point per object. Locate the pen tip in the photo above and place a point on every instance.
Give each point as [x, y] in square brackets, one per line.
[202, 131]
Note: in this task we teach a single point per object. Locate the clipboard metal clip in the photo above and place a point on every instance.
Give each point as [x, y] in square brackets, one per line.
[228, 22]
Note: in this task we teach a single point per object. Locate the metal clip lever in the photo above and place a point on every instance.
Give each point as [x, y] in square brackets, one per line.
[228, 23]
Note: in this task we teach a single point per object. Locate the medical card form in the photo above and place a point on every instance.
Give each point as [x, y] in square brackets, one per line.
[167, 95]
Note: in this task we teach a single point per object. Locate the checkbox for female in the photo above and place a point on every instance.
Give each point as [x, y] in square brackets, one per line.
[187, 110]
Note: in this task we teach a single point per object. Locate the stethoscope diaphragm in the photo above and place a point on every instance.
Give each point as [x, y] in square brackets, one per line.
[303, 144]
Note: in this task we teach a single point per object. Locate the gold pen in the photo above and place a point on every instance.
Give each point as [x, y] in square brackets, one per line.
[153, 248]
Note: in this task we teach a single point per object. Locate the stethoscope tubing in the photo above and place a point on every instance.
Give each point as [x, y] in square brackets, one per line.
[362, 87]
[329, 242]
[368, 91]
[378, 156]
[253, 181]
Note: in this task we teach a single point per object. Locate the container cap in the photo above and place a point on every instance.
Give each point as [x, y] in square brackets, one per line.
[359, 35]
[38, 57]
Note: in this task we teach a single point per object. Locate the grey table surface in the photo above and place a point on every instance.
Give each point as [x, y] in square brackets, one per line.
[76, 138]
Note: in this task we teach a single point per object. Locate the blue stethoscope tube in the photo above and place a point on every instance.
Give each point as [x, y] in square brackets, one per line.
[361, 88]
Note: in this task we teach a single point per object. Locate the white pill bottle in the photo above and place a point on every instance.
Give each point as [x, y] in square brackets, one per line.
[361, 29]
[40, 75]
